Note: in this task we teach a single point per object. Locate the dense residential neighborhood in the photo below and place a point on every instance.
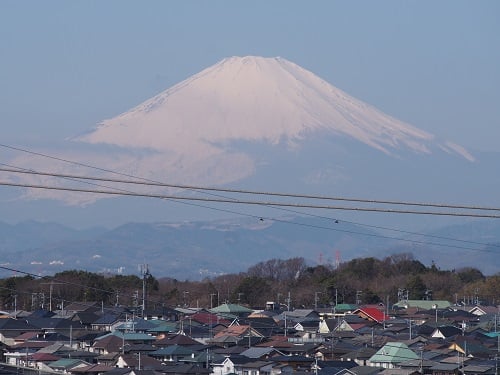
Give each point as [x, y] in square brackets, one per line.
[409, 337]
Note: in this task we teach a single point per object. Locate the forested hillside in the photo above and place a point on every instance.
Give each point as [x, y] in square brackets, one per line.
[288, 282]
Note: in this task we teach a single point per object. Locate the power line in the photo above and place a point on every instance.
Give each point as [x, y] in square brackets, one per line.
[251, 192]
[259, 216]
[174, 198]
[250, 202]
[79, 178]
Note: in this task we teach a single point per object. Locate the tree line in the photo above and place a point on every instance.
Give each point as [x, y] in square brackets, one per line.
[291, 283]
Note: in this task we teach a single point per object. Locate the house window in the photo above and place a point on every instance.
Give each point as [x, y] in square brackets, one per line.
[253, 372]
[245, 372]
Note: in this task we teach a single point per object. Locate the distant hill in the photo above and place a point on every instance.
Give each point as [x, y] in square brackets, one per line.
[194, 250]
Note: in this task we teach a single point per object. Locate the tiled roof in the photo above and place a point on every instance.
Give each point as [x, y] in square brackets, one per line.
[43, 357]
[67, 363]
[373, 314]
[393, 352]
[177, 339]
[231, 309]
[95, 368]
[172, 350]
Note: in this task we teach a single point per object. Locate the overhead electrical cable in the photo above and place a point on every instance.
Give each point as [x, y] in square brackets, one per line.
[252, 202]
[275, 207]
[253, 192]
[282, 221]
[79, 178]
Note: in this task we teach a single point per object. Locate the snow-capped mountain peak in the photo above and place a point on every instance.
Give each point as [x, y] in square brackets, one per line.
[265, 119]
[256, 99]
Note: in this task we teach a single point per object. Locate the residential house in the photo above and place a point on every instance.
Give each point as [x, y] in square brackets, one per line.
[392, 354]
[444, 332]
[254, 368]
[231, 310]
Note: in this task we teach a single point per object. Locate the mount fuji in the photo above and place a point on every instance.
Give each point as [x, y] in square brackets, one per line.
[256, 99]
[263, 123]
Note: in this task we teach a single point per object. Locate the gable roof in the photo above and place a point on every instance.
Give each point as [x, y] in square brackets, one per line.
[259, 352]
[177, 339]
[423, 304]
[137, 324]
[68, 363]
[172, 350]
[238, 331]
[207, 318]
[484, 310]
[95, 368]
[83, 306]
[43, 357]
[393, 352]
[372, 313]
[446, 331]
[230, 308]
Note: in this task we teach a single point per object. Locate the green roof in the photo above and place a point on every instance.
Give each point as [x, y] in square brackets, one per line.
[66, 363]
[230, 308]
[393, 352]
[492, 334]
[345, 307]
[164, 326]
[423, 304]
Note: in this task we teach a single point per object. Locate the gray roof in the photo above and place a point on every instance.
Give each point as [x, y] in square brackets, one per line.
[258, 352]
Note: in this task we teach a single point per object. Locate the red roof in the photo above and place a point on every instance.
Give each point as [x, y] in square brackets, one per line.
[372, 313]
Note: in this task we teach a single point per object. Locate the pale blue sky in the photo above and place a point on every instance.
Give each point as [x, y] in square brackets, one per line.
[67, 65]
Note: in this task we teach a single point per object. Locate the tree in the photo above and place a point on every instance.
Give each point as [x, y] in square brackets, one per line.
[416, 287]
[469, 275]
[253, 290]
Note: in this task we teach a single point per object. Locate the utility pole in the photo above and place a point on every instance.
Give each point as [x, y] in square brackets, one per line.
[145, 273]
[421, 370]
[358, 297]
[336, 299]
[51, 290]
[497, 355]
[316, 298]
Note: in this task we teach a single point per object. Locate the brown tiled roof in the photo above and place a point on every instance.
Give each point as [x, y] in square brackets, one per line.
[177, 339]
[96, 368]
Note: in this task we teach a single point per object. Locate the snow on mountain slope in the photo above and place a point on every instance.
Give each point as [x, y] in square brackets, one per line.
[256, 99]
[223, 125]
